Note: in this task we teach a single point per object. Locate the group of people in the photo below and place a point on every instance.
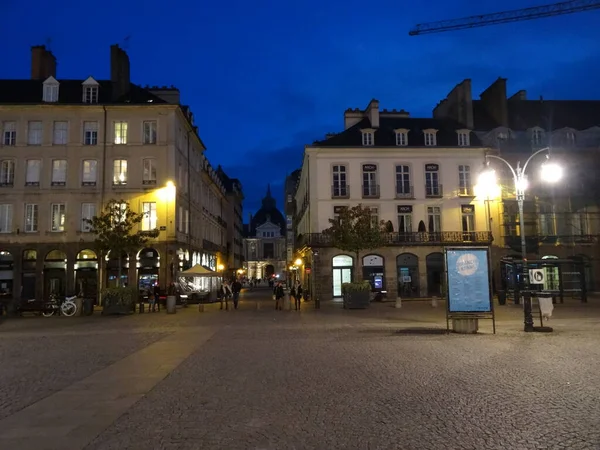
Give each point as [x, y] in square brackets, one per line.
[232, 291]
[296, 292]
[227, 291]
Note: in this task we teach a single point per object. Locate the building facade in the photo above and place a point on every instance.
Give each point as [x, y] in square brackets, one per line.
[291, 183]
[416, 174]
[235, 223]
[562, 221]
[68, 147]
[265, 243]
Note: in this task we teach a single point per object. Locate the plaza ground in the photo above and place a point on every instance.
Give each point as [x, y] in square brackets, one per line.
[382, 378]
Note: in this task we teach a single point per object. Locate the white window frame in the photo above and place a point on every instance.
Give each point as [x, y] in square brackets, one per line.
[88, 211]
[59, 177]
[6, 218]
[90, 94]
[32, 215]
[434, 216]
[403, 179]
[35, 132]
[50, 94]
[468, 223]
[60, 132]
[149, 171]
[368, 138]
[58, 226]
[537, 136]
[149, 132]
[430, 138]
[89, 172]
[407, 218]
[150, 219]
[120, 132]
[464, 139]
[9, 133]
[33, 171]
[570, 138]
[401, 138]
[90, 133]
[7, 172]
[339, 180]
[119, 172]
[374, 210]
[465, 186]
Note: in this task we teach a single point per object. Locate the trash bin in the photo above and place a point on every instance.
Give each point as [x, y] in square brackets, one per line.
[79, 306]
[545, 302]
[88, 306]
[502, 297]
[171, 303]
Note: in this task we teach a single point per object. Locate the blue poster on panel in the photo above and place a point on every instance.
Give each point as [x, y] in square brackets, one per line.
[468, 280]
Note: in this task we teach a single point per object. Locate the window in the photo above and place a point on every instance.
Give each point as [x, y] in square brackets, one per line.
[367, 138]
[369, 185]
[89, 174]
[404, 219]
[579, 223]
[57, 217]
[149, 175]
[430, 138]
[120, 171]
[150, 132]
[187, 221]
[9, 137]
[401, 138]
[434, 219]
[339, 188]
[463, 139]
[90, 133]
[120, 132]
[120, 212]
[570, 138]
[432, 181]
[31, 218]
[180, 219]
[59, 172]
[149, 220]
[468, 221]
[6, 212]
[34, 132]
[32, 172]
[268, 250]
[464, 180]
[374, 216]
[546, 217]
[60, 135]
[7, 172]
[337, 210]
[90, 94]
[88, 212]
[537, 136]
[50, 91]
[403, 187]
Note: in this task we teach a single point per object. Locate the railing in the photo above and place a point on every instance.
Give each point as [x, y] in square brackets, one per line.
[403, 191]
[370, 191]
[414, 238]
[434, 190]
[340, 191]
[465, 191]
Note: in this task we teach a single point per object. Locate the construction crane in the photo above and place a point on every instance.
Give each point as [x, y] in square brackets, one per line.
[514, 15]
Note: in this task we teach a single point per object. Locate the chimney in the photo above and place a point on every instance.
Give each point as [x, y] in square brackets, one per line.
[373, 113]
[43, 63]
[494, 101]
[458, 105]
[119, 71]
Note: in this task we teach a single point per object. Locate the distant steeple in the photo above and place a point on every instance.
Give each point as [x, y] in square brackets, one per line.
[268, 202]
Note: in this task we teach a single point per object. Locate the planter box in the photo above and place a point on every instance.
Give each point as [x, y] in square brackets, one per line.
[357, 300]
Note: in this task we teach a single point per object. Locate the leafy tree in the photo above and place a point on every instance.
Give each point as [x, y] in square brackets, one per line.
[353, 231]
[116, 231]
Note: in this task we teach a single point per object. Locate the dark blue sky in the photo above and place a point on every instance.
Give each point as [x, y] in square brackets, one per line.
[264, 78]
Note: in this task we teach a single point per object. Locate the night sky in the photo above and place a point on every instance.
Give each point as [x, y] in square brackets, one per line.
[264, 78]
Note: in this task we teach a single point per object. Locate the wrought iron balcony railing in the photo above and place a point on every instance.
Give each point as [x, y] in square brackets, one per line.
[434, 190]
[340, 191]
[404, 191]
[370, 191]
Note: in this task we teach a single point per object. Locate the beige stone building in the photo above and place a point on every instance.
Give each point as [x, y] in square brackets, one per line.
[69, 146]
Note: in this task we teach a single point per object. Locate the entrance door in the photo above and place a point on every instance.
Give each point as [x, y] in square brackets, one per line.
[340, 276]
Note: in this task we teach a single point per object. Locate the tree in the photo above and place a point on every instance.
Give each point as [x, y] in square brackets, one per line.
[115, 230]
[353, 231]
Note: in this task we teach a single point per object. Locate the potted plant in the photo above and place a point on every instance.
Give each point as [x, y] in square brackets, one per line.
[119, 300]
[357, 295]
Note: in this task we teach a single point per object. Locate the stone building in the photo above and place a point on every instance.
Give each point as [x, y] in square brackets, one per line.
[67, 147]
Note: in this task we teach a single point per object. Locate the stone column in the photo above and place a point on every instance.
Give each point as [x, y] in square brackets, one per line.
[422, 277]
[391, 278]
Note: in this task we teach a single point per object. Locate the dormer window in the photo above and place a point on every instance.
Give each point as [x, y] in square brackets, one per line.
[430, 137]
[401, 138]
[570, 138]
[464, 138]
[367, 137]
[50, 94]
[90, 91]
[537, 136]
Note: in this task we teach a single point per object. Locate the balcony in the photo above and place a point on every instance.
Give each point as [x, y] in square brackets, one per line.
[340, 191]
[414, 238]
[370, 191]
[403, 191]
[434, 191]
[466, 191]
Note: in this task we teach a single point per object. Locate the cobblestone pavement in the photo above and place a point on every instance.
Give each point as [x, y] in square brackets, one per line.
[331, 379]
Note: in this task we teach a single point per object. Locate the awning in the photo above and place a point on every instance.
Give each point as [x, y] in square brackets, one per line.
[198, 271]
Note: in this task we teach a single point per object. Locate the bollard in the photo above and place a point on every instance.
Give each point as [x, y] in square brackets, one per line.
[200, 307]
[398, 303]
[434, 301]
[171, 302]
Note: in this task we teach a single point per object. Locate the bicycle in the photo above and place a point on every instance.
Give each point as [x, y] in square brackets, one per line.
[67, 307]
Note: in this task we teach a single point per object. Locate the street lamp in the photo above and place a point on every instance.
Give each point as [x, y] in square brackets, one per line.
[551, 172]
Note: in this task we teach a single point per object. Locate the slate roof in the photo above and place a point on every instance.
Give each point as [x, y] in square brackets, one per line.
[15, 92]
[386, 137]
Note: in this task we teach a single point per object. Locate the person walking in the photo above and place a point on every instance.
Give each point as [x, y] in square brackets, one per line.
[156, 294]
[297, 295]
[236, 288]
[279, 294]
[225, 294]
